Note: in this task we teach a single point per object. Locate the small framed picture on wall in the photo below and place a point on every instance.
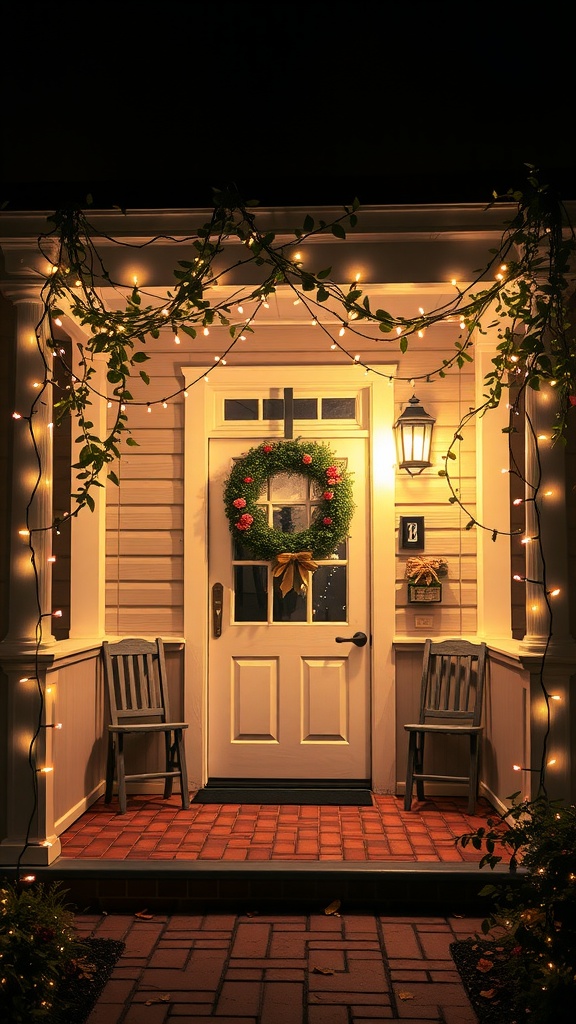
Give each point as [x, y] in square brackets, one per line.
[412, 533]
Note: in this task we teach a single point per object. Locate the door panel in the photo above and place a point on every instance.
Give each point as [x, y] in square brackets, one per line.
[285, 700]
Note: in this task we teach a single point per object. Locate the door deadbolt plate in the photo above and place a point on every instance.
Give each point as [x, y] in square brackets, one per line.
[217, 608]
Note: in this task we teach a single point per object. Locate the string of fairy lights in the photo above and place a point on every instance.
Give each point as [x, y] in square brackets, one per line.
[73, 278]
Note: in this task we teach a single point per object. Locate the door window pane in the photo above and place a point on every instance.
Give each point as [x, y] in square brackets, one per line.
[329, 593]
[303, 408]
[240, 408]
[292, 608]
[284, 487]
[250, 593]
[289, 518]
[338, 408]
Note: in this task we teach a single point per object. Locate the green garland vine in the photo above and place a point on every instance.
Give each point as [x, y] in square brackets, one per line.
[247, 519]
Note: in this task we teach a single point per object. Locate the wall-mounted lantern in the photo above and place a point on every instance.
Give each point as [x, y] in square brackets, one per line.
[413, 437]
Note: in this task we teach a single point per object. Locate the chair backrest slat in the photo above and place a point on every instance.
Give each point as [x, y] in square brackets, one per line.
[452, 681]
[135, 672]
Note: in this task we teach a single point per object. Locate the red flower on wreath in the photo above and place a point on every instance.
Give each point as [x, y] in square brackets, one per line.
[245, 521]
[239, 502]
[328, 495]
[327, 521]
[333, 476]
[248, 479]
[267, 448]
[306, 459]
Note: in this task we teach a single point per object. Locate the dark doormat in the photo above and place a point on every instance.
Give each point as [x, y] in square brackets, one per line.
[342, 796]
[78, 995]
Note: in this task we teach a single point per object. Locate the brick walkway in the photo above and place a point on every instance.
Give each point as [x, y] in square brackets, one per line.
[322, 968]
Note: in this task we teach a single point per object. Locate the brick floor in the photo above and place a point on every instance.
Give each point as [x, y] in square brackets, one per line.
[282, 969]
[157, 829]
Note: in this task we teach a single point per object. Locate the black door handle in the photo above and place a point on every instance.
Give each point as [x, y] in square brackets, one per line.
[359, 639]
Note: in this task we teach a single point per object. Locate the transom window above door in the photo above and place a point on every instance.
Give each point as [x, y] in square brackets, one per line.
[270, 409]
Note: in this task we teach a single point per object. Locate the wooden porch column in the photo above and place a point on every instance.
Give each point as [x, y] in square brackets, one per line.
[31, 505]
[548, 648]
[30, 814]
[88, 535]
[548, 516]
[493, 506]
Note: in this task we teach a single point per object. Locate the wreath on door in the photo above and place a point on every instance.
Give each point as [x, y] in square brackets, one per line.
[293, 554]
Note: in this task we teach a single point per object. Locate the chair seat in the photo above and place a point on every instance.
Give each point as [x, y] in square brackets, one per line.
[147, 727]
[464, 729]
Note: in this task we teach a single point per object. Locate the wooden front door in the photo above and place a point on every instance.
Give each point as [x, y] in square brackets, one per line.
[286, 700]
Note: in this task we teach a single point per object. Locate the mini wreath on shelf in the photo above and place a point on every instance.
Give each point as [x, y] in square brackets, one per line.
[426, 571]
[293, 553]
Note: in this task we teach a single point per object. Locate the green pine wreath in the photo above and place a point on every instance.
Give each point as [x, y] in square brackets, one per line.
[248, 478]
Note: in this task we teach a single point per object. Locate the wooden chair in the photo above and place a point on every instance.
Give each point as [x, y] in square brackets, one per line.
[451, 698]
[135, 673]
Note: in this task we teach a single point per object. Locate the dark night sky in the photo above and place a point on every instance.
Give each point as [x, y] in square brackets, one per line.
[295, 106]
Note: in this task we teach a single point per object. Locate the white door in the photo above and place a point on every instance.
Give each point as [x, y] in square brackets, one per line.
[286, 700]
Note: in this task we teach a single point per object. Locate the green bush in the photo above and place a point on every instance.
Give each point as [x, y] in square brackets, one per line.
[536, 910]
[39, 951]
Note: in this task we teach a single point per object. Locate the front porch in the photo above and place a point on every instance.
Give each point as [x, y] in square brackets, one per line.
[160, 858]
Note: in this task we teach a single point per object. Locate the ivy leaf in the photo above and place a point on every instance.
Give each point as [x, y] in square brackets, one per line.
[338, 231]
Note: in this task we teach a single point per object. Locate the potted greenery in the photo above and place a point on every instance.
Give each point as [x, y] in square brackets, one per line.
[40, 953]
[534, 911]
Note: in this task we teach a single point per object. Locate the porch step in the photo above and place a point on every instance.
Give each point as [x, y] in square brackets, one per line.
[203, 887]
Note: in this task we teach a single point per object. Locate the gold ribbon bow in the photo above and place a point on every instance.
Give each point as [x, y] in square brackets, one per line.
[289, 562]
[429, 568]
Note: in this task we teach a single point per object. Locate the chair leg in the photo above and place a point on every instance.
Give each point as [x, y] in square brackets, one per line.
[121, 773]
[419, 764]
[473, 791]
[110, 759]
[410, 771]
[169, 760]
[183, 770]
